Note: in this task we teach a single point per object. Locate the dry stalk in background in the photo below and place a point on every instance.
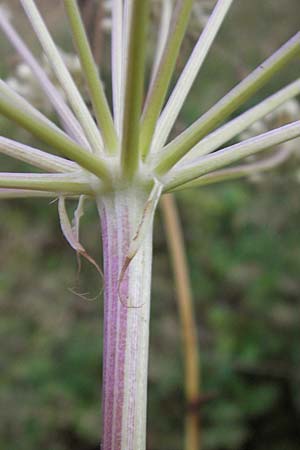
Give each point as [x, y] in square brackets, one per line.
[175, 239]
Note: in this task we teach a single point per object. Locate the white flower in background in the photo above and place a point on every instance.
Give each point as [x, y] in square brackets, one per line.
[25, 83]
[201, 12]
[107, 15]
[5, 11]
[285, 113]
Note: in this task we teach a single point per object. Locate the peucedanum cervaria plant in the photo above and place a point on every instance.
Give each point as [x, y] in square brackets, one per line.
[125, 161]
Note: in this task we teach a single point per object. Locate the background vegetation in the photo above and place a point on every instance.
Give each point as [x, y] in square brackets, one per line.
[243, 244]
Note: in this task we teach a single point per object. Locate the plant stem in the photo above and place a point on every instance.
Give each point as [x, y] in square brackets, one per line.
[126, 322]
[184, 297]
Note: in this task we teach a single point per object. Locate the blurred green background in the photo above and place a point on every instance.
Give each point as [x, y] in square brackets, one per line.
[243, 245]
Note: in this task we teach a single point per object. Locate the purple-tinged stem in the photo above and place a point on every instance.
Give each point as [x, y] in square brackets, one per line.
[126, 322]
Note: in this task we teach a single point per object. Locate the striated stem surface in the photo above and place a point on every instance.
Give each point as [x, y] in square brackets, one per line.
[126, 322]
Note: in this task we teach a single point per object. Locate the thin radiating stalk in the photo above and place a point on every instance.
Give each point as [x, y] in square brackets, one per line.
[189, 74]
[165, 20]
[134, 85]
[117, 43]
[35, 157]
[7, 92]
[125, 52]
[233, 153]
[51, 137]
[59, 183]
[97, 95]
[18, 103]
[174, 151]
[236, 126]
[9, 194]
[184, 297]
[66, 116]
[159, 87]
[59, 68]
[126, 322]
[243, 170]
